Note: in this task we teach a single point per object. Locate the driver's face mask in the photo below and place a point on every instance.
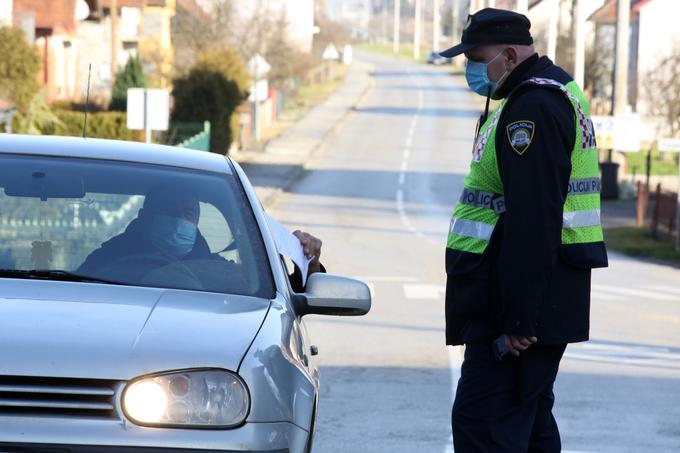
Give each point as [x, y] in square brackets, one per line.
[173, 235]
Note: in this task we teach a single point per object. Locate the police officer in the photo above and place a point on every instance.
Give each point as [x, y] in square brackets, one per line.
[523, 239]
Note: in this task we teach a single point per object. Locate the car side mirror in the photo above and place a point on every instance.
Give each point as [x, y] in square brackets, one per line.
[327, 294]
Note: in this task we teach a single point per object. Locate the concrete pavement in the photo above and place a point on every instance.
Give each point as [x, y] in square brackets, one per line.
[379, 190]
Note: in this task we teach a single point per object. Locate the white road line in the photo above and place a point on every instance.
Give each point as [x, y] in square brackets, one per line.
[634, 292]
[664, 288]
[423, 291]
[604, 296]
[455, 354]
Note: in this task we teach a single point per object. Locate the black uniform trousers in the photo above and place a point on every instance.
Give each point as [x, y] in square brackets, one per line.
[506, 406]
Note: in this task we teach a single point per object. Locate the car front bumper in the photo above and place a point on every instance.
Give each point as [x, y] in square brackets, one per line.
[60, 435]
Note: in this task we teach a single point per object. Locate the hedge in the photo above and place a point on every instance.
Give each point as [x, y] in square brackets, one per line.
[110, 125]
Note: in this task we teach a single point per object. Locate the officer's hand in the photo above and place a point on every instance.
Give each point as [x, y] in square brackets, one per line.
[312, 248]
[517, 344]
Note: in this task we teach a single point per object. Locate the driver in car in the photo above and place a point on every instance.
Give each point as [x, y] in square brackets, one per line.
[167, 226]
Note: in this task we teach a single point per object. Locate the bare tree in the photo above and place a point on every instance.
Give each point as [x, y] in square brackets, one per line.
[662, 90]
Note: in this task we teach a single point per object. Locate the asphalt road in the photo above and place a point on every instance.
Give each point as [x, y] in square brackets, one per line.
[379, 194]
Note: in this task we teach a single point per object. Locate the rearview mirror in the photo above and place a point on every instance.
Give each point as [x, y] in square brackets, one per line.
[327, 294]
[44, 185]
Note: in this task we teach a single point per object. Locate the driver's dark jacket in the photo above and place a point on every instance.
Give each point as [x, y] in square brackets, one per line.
[135, 240]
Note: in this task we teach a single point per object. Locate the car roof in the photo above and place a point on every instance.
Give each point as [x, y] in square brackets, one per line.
[118, 150]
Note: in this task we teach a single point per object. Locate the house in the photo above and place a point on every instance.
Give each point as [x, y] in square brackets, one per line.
[144, 30]
[54, 26]
[654, 36]
[6, 12]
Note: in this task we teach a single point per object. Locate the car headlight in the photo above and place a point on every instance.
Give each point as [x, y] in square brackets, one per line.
[198, 399]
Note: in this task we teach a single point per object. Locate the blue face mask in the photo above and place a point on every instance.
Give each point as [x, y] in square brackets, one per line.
[173, 235]
[477, 76]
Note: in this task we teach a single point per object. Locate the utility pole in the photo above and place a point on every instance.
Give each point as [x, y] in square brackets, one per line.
[416, 30]
[114, 41]
[397, 20]
[554, 6]
[523, 6]
[579, 43]
[621, 61]
[455, 13]
[436, 26]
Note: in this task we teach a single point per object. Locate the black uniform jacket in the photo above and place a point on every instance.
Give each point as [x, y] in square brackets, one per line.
[527, 282]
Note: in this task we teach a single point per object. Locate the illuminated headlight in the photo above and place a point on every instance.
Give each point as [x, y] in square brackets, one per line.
[199, 399]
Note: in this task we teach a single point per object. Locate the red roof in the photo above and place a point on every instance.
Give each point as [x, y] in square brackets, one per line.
[607, 12]
[52, 14]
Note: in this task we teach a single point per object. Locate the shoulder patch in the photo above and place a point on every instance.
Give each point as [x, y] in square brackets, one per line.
[520, 134]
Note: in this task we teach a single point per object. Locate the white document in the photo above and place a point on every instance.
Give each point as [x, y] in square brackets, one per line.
[289, 246]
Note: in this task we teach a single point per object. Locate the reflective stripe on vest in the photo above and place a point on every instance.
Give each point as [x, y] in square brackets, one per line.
[471, 229]
[482, 201]
[579, 219]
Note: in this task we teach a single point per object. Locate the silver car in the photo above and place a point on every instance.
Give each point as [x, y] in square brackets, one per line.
[123, 328]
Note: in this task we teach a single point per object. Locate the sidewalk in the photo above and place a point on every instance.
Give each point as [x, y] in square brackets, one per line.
[283, 159]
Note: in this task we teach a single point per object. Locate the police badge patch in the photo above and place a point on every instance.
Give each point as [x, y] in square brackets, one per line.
[520, 135]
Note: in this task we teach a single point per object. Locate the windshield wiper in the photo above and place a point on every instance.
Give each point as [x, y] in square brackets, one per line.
[59, 275]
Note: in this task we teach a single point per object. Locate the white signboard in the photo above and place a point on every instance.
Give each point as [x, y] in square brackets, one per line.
[347, 55]
[621, 132]
[330, 53]
[669, 145]
[604, 131]
[157, 109]
[259, 91]
[627, 132]
[258, 67]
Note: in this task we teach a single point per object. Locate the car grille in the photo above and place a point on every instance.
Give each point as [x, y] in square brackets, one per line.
[57, 396]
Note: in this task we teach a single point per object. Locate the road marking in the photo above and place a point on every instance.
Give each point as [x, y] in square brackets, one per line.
[455, 354]
[664, 288]
[604, 296]
[634, 292]
[423, 291]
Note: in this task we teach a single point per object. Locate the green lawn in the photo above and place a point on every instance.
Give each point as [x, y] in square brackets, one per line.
[663, 164]
[638, 242]
[405, 50]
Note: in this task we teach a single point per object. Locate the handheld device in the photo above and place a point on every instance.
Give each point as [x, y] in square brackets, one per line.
[500, 349]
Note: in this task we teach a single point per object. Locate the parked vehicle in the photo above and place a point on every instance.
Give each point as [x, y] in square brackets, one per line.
[434, 58]
[110, 344]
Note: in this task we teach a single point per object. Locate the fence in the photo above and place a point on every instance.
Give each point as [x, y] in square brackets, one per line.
[661, 214]
[200, 141]
[188, 135]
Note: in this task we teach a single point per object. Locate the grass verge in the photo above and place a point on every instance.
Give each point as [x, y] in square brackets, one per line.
[638, 242]
[663, 164]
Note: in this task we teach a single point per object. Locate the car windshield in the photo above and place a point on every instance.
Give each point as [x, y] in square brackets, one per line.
[103, 221]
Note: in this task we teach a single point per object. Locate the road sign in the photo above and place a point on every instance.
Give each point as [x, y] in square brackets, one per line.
[627, 132]
[148, 109]
[258, 67]
[330, 52]
[259, 91]
[347, 55]
[669, 145]
[621, 132]
[604, 131]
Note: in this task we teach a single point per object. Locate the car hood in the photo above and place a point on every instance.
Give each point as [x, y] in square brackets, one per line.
[89, 330]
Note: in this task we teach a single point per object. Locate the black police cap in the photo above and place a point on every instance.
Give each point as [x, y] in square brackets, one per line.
[492, 26]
